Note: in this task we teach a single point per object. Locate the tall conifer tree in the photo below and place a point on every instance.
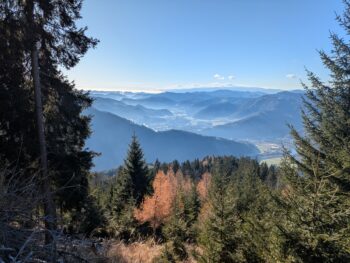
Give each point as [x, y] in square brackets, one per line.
[315, 202]
[136, 168]
[16, 120]
[47, 36]
[326, 113]
[220, 236]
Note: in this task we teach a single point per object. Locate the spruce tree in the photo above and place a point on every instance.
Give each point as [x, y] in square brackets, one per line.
[175, 230]
[186, 168]
[156, 166]
[91, 219]
[136, 168]
[220, 236]
[315, 200]
[326, 113]
[124, 225]
[175, 166]
[121, 192]
[180, 228]
[17, 135]
[314, 220]
[120, 214]
[256, 211]
[273, 177]
[191, 207]
[246, 183]
[40, 32]
[263, 171]
[128, 191]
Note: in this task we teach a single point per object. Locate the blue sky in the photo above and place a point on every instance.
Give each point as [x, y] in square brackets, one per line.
[163, 44]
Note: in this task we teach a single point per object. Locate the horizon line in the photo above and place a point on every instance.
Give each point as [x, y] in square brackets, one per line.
[190, 89]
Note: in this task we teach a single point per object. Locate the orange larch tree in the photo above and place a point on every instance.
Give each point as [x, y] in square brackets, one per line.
[203, 186]
[157, 208]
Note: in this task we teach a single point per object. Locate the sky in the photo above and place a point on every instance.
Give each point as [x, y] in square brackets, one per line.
[175, 44]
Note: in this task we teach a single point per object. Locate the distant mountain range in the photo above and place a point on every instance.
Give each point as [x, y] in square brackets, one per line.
[230, 88]
[263, 118]
[221, 109]
[176, 125]
[225, 113]
[111, 135]
[136, 113]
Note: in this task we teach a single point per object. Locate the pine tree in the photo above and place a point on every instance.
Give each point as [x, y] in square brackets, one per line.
[136, 168]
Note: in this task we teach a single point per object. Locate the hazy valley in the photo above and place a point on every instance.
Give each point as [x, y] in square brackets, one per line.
[188, 125]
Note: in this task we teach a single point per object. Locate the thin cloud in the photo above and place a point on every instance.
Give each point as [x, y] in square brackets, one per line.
[291, 76]
[219, 77]
[231, 77]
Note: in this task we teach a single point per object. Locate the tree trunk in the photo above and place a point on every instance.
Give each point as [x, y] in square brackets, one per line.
[49, 205]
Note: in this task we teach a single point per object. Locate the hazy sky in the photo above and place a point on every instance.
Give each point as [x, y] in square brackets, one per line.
[160, 44]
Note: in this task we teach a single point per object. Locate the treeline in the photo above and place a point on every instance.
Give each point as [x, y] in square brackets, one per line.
[197, 205]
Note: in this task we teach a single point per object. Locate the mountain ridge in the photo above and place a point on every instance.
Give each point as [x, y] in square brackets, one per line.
[112, 142]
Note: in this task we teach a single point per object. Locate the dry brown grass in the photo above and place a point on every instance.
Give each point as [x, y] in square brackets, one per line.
[142, 252]
[137, 252]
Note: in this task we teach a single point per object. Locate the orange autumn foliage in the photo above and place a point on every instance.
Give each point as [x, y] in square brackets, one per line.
[203, 186]
[202, 189]
[156, 208]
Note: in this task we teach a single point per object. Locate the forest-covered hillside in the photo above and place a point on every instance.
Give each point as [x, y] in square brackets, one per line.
[110, 131]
